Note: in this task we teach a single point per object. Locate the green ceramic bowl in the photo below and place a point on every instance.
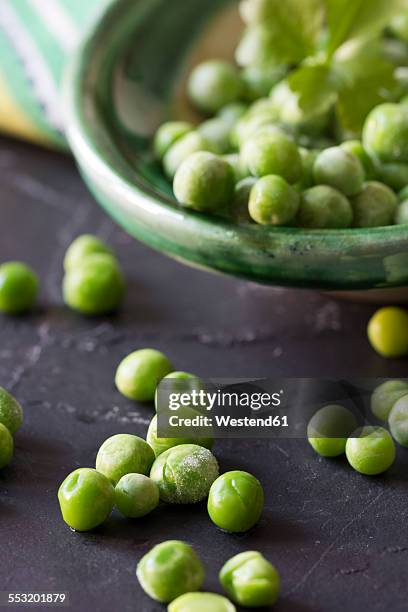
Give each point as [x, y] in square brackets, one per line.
[127, 77]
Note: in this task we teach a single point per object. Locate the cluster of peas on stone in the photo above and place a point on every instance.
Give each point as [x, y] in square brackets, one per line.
[370, 450]
[249, 163]
[134, 475]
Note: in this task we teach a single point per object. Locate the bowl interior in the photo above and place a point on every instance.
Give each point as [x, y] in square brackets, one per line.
[128, 77]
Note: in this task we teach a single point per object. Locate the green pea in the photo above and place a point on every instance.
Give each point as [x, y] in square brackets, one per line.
[184, 474]
[86, 498]
[201, 602]
[95, 287]
[388, 332]
[393, 175]
[217, 133]
[136, 495]
[214, 84]
[169, 570]
[11, 413]
[168, 134]
[18, 288]
[240, 204]
[259, 80]
[308, 160]
[329, 429]
[401, 216]
[398, 421]
[385, 133]
[356, 148]
[6, 446]
[231, 113]
[375, 206]
[385, 396]
[339, 169]
[234, 161]
[371, 450]
[124, 454]
[140, 372]
[236, 501]
[251, 125]
[323, 207]
[160, 445]
[205, 183]
[250, 580]
[267, 154]
[82, 247]
[179, 382]
[273, 201]
[193, 142]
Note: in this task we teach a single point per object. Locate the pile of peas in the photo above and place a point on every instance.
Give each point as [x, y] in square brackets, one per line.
[135, 475]
[251, 162]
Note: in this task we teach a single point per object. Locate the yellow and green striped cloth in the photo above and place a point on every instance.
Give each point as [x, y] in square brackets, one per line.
[36, 38]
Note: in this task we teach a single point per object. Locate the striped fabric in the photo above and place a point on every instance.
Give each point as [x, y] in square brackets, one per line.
[36, 37]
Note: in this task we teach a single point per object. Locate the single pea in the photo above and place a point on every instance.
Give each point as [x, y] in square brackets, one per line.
[136, 495]
[329, 429]
[11, 412]
[160, 445]
[340, 169]
[266, 154]
[240, 204]
[393, 175]
[371, 450]
[231, 113]
[323, 207]
[398, 421]
[124, 454]
[308, 160]
[18, 288]
[214, 84]
[95, 287]
[385, 396]
[388, 332]
[168, 134]
[140, 372]
[82, 247]
[273, 201]
[201, 602]
[169, 570]
[217, 133]
[375, 206]
[356, 148]
[234, 161]
[259, 80]
[401, 216]
[6, 446]
[184, 474]
[236, 501]
[251, 125]
[193, 142]
[205, 183]
[86, 498]
[250, 580]
[178, 382]
[385, 133]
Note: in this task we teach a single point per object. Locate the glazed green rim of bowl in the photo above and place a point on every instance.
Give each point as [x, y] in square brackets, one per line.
[329, 259]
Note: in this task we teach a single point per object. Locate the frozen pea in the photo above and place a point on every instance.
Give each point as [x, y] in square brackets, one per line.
[168, 134]
[339, 169]
[11, 412]
[169, 570]
[273, 201]
[201, 602]
[356, 148]
[124, 454]
[375, 206]
[272, 154]
[259, 80]
[217, 133]
[250, 580]
[231, 113]
[385, 396]
[160, 445]
[253, 124]
[205, 183]
[6, 446]
[240, 205]
[213, 85]
[139, 373]
[385, 133]
[308, 157]
[136, 495]
[234, 161]
[181, 150]
[388, 332]
[184, 474]
[329, 429]
[371, 450]
[398, 421]
[323, 207]
[177, 382]
[393, 175]
[401, 216]
[18, 288]
[82, 247]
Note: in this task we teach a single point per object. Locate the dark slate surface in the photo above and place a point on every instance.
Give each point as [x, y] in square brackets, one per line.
[338, 539]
